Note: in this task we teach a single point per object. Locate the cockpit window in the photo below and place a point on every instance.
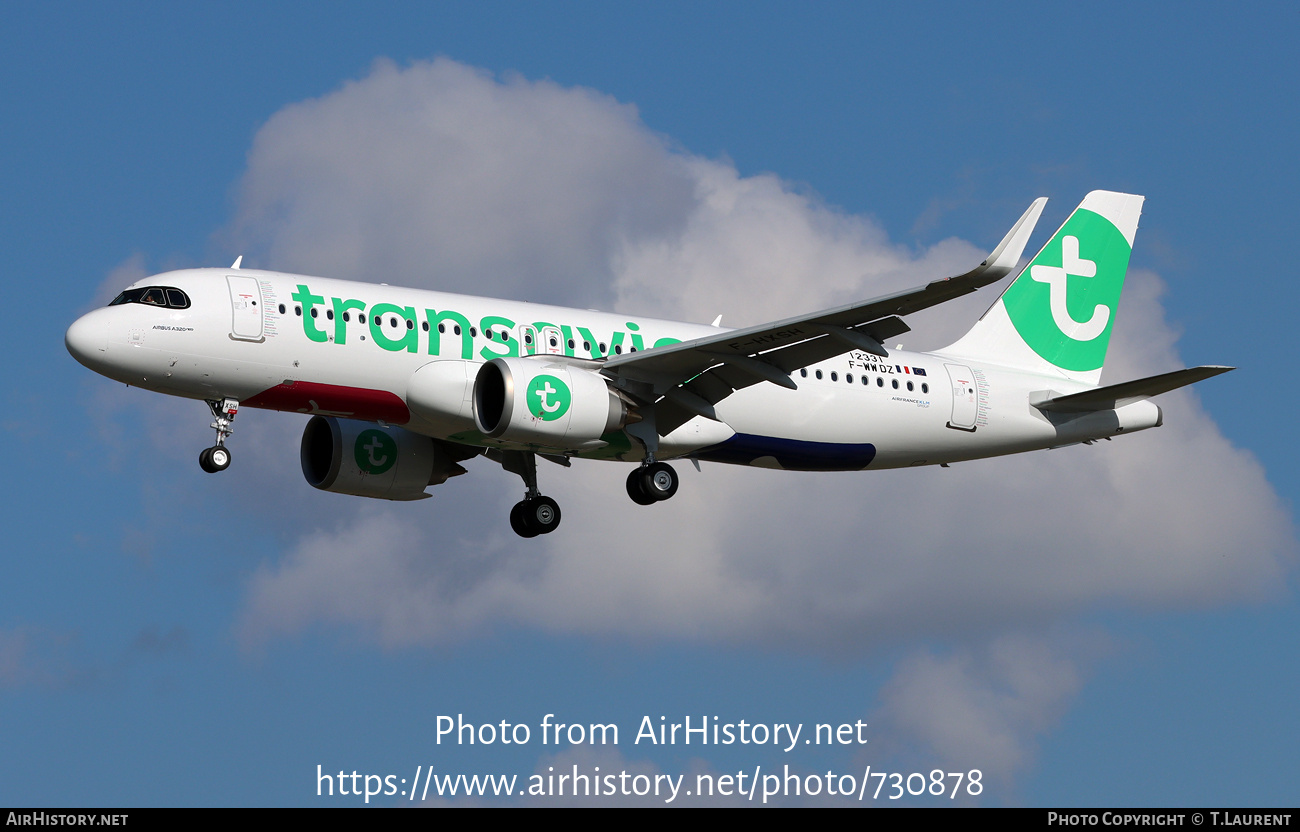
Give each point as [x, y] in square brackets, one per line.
[154, 296]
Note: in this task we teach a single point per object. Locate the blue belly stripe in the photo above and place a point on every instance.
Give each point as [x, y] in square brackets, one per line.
[793, 454]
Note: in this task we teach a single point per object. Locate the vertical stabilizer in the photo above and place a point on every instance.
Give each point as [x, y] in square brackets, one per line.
[1057, 316]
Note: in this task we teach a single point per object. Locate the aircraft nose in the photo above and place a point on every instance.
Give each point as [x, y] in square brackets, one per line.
[87, 338]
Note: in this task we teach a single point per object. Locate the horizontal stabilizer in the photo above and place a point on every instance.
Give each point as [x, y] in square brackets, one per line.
[1117, 395]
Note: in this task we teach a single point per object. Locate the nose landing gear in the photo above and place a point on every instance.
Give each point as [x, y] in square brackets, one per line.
[217, 458]
[214, 459]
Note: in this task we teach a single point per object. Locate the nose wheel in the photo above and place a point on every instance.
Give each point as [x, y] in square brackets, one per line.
[652, 483]
[214, 459]
[217, 458]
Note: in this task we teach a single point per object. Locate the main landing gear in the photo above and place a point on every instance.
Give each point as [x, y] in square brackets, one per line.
[652, 483]
[217, 458]
[534, 514]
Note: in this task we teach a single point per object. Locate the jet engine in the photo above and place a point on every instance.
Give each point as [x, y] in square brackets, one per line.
[368, 460]
[441, 393]
[545, 403]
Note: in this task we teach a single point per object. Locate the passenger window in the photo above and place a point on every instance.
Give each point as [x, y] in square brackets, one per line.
[329, 313]
[410, 324]
[910, 387]
[361, 317]
[835, 376]
[618, 349]
[895, 383]
[345, 315]
[880, 381]
[848, 377]
[803, 373]
[442, 327]
[425, 325]
[313, 312]
[819, 374]
[925, 388]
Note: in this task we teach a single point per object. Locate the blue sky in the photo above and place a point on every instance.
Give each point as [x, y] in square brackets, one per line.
[140, 662]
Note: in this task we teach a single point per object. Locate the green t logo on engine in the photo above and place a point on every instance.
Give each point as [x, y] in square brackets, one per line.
[548, 398]
[375, 451]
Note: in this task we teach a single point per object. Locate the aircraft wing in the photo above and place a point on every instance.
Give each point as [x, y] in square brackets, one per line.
[1117, 395]
[687, 379]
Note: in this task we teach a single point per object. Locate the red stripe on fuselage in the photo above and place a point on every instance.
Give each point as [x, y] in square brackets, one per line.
[333, 400]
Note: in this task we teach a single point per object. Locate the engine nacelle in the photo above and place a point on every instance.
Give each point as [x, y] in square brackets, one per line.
[550, 404]
[366, 460]
[441, 393]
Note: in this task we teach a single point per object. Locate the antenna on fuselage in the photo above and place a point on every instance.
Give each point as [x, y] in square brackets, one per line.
[238, 260]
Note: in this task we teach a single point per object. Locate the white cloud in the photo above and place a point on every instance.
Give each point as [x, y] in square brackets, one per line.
[513, 187]
[442, 176]
[36, 657]
[13, 645]
[979, 708]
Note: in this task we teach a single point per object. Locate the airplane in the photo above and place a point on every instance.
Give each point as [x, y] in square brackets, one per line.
[404, 385]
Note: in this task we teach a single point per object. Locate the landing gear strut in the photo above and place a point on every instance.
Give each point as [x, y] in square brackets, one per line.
[654, 481]
[534, 514]
[217, 458]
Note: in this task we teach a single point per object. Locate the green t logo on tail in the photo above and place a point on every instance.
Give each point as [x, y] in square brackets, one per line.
[375, 451]
[1063, 305]
[548, 398]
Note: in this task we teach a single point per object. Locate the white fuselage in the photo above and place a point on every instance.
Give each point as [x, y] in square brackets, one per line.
[350, 350]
